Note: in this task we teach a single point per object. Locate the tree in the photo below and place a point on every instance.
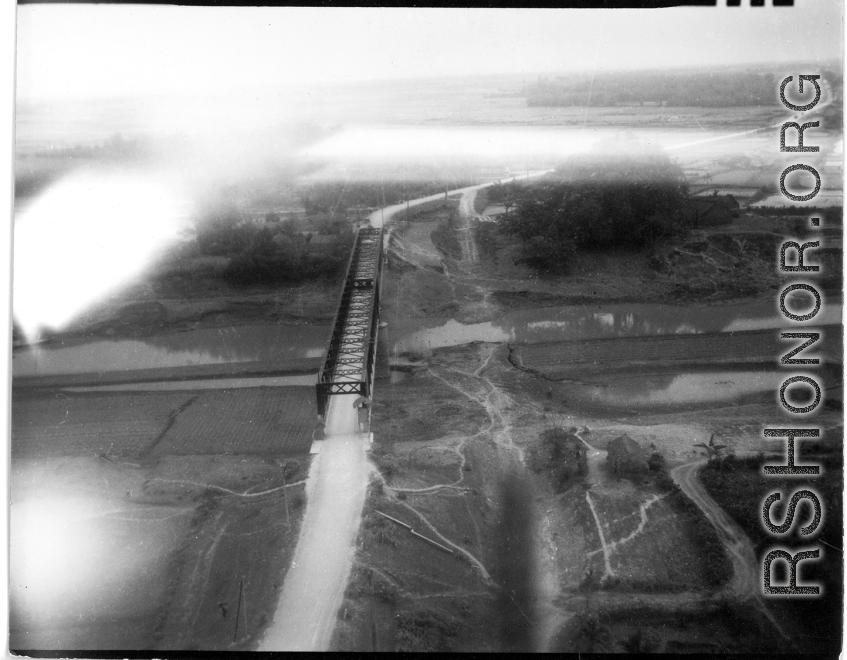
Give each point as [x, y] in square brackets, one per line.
[656, 462]
[712, 449]
[506, 194]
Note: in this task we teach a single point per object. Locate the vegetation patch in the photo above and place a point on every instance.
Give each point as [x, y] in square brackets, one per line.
[597, 201]
[560, 455]
[426, 630]
[739, 486]
[444, 238]
[716, 567]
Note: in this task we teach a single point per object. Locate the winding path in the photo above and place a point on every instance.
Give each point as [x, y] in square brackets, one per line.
[746, 575]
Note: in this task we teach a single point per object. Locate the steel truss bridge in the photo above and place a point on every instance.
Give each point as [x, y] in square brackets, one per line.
[349, 362]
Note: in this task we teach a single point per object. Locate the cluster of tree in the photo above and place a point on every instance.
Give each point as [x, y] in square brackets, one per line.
[115, 147]
[596, 201]
[266, 261]
[712, 89]
[275, 252]
[505, 194]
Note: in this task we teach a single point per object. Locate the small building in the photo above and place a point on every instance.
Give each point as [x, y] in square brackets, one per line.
[626, 457]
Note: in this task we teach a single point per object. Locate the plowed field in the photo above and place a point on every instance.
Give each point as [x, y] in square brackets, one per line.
[74, 425]
[247, 421]
[266, 421]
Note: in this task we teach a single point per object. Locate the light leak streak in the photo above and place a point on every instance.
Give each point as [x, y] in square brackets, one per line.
[84, 238]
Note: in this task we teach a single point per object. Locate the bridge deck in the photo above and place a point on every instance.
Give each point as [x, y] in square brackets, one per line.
[348, 365]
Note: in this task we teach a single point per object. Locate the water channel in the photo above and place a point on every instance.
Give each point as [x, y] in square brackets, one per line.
[273, 344]
[574, 323]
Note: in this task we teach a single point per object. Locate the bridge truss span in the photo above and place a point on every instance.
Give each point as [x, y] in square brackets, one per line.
[349, 361]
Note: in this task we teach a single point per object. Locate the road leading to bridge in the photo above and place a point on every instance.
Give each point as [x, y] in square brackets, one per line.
[313, 588]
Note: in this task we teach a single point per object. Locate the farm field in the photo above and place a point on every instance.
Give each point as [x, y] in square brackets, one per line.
[190, 515]
[79, 543]
[141, 425]
[56, 424]
[266, 421]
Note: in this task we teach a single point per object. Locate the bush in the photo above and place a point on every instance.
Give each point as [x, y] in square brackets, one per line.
[656, 462]
[290, 468]
[560, 452]
[386, 463]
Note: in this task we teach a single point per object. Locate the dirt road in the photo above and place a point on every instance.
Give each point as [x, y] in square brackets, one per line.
[314, 586]
[466, 212]
[746, 577]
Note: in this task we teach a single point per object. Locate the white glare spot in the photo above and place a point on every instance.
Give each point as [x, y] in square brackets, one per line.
[83, 238]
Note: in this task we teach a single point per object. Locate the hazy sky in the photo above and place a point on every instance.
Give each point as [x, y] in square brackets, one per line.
[104, 50]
